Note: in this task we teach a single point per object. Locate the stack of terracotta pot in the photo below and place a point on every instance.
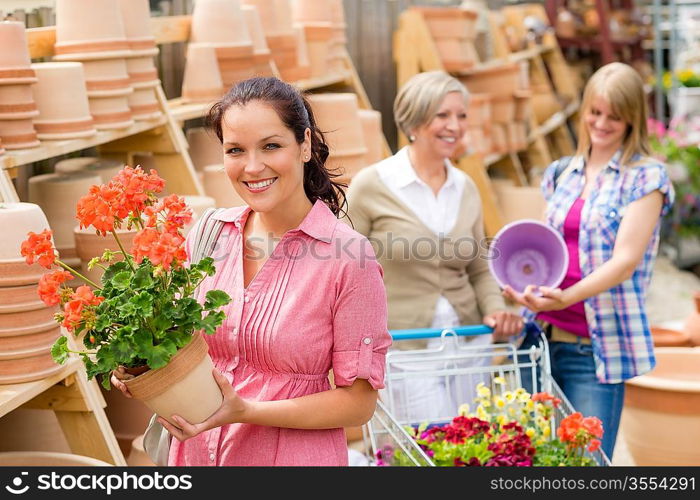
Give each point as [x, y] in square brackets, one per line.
[205, 147]
[337, 115]
[315, 18]
[202, 80]
[17, 106]
[57, 195]
[218, 186]
[92, 32]
[477, 138]
[454, 32]
[27, 326]
[338, 39]
[262, 57]
[287, 50]
[509, 103]
[143, 74]
[373, 135]
[62, 99]
[222, 24]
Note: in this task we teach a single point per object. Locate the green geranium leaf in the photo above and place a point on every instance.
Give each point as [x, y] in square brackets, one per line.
[113, 270]
[212, 321]
[143, 303]
[121, 280]
[206, 265]
[143, 341]
[160, 354]
[216, 299]
[122, 349]
[142, 279]
[59, 351]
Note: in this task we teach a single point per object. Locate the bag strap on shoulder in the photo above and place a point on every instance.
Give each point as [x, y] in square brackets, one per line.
[206, 233]
[562, 165]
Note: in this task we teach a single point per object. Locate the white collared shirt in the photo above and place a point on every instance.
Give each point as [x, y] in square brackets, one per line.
[438, 212]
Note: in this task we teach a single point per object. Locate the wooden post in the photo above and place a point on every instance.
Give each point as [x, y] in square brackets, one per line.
[474, 167]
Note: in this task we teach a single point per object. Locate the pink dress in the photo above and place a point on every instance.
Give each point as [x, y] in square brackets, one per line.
[317, 303]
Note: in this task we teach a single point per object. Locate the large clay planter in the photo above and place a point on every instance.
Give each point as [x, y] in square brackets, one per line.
[58, 195]
[142, 72]
[217, 185]
[27, 364]
[128, 417]
[61, 96]
[692, 324]
[662, 410]
[88, 244]
[144, 105]
[16, 220]
[89, 29]
[372, 134]
[18, 134]
[17, 102]
[449, 22]
[202, 81]
[14, 57]
[668, 337]
[503, 108]
[284, 50]
[136, 16]
[337, 117]
[47, 459]
[457, 54]
[15, 299]
[27, 429]
[16, 272]
[107, 77]
[111, 113]
[185, 386]
[103, 167]
[276, 15]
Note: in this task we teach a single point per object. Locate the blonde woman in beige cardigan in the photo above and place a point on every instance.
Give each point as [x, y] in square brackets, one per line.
[423, 216]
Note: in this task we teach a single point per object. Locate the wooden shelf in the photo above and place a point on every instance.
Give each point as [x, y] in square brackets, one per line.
[555, 121]
[13, 396]
[49, 149]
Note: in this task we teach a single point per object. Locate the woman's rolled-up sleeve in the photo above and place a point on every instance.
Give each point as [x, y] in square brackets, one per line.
[360, 336]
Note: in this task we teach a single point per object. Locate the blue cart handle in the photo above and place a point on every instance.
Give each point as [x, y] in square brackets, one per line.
[431, 333]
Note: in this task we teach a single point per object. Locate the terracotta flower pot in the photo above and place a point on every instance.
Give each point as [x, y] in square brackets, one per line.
[185, 386]
[61, 95]
[48, 459]
[311, 11]
[692, 323]
[297, 65]
[219, 22]
[28, 363]
[544, 105]
[662, 408]
[14, 58]
[337, 116]
[347, 165]
[457, 54]
[503, 109]
[667, 337]
[144, 105]
[499, 138]
[495, 80]
[111, 113]
[202, 81]
[18, 219]
[318, 38]
[136, 16]
[103, 167]
[517, 136]
[205, 147]
[446, 22]
[284, 51]
[16, 272]
[142, 72]
[234, 70]
[88, 30]
[18, 134]
[29, 330]
[217, 185]
[522, 105]
[107, 77]
[57, 195]
[25, 429]
[372, 134]
[88, 244]
[17, 102]
[19, 298]
[479, 110]
[255, 28]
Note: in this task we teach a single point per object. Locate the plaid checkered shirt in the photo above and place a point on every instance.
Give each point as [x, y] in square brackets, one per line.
[617, 320]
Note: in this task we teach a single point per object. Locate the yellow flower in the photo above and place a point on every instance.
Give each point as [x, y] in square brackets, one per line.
[524, 420]
[547, 431]
[499, 402]
[524, 398]
[499, 380]
[482, 390]
[511, 411]
[502, 420]
[481, 413]
[510, 397]
[530, 405]
[520, 391]
[530, 432]
[463, 410]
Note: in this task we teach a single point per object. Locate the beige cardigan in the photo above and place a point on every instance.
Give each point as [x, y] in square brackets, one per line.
[415, 273]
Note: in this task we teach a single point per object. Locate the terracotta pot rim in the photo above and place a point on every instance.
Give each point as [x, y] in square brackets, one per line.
[449, 12]
[92, 56]
[28, 330]
[26, 353]
[155, 382]
[34, 305]
[30, 377]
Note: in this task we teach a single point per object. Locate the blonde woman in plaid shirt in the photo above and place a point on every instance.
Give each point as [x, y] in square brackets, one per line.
[607, 202]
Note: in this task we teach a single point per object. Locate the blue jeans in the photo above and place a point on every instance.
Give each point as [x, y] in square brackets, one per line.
[573, 369]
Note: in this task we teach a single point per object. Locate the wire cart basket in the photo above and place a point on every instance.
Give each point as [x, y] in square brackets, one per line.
[452, 368]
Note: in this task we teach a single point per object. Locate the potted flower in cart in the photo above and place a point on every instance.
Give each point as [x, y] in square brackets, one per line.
[142, 315]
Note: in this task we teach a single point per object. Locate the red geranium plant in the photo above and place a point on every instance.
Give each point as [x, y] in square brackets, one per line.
[143, 311]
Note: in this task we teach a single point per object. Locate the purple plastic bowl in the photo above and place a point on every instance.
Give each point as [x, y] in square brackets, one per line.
[528, 252]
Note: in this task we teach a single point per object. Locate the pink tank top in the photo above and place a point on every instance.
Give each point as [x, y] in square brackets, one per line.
[573, 318]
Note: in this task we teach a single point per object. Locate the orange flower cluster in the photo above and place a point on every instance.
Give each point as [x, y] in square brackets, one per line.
[177, 215]
[39, 248]
[105, 206]
[74, 309]
[49, 285]
[544, 397]
[161, 248]
[577, 431]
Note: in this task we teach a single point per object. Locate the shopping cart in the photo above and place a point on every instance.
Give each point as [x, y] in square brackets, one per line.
[456, 367]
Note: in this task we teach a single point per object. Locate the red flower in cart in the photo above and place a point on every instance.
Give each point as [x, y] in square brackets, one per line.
[579, 432]
[39, 248]
[545, 397]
